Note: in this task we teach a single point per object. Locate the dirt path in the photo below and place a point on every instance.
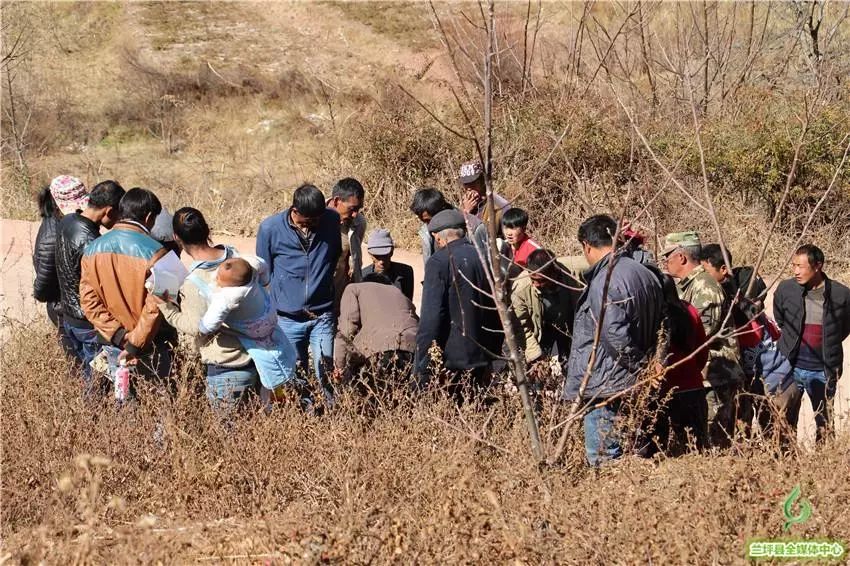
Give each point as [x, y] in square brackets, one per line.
[17, 305]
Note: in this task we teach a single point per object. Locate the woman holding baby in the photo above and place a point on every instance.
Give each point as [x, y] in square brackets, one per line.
[230, 372]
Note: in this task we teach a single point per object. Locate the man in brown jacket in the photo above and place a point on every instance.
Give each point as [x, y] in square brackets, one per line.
[377, 325]
[112, 287]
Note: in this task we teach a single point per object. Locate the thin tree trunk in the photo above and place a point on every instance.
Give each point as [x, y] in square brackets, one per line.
[644, 52]
[16, 134]
[517, 357]
[705, 86]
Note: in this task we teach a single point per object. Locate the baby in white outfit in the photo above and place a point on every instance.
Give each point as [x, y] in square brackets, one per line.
[240, 300]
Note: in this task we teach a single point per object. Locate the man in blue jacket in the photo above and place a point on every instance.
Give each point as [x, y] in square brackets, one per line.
[301, 246]
[632, 299]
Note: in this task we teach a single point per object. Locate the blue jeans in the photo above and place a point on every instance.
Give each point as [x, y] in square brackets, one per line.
[601, 437]
[815, 384]
[156, 364]
[317, 334]
[85, 345]
[230, 388]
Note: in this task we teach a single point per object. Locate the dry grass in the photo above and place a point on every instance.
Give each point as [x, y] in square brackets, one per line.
[90, 484]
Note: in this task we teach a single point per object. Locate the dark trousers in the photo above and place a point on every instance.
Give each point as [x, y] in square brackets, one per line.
[753, 404]
[468, 384]
[674, 424]
[687, 421]
[55, 316]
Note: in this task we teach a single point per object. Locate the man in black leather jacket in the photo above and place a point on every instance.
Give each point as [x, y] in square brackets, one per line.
[74, 233]
[64, 195]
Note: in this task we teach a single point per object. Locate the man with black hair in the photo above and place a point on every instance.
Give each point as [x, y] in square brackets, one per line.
[734, 279]
[301, 246]
[757, 340]
[427, 203]
[75, 232]
[347, 198]
[112, 287]
[518, 244]
[632, 298]
[544, 303]
[813, 312]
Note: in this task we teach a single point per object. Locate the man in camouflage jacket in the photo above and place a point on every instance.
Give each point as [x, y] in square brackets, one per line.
[723, 374]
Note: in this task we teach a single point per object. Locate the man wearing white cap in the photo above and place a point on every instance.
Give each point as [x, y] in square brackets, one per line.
[474, 201]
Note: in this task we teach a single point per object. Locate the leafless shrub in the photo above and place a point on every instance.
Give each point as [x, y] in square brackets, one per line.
[419, 479]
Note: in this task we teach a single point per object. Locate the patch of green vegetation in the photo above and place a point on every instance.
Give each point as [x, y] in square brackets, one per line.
[121, 134]
[168, 23]
[406, 22]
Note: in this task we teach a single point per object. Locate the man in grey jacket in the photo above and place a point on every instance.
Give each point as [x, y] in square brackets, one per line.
[630, 312]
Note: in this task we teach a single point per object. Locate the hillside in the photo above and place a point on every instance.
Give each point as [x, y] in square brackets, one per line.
[228, 106]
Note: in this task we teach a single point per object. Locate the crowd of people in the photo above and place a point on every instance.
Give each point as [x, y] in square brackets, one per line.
[304, 317]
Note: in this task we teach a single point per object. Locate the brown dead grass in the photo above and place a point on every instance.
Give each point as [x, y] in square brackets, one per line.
[88, 484]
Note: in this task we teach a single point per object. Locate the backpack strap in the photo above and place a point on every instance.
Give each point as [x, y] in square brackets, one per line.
[203, 287]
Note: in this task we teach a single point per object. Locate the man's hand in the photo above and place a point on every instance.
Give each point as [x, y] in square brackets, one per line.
[471, 201]
[129, 358]
[337, 375]
[160, 300]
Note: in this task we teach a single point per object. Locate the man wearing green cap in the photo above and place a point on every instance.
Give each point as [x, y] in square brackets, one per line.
[723, 374]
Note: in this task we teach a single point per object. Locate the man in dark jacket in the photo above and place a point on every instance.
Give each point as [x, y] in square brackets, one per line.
[381, 247]
[630, 322]
[64, 195]
[813, 312]
[75, 231]
[456, 314]
[301, 246]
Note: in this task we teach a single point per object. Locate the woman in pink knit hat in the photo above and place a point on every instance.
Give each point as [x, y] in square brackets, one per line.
[64, 195]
